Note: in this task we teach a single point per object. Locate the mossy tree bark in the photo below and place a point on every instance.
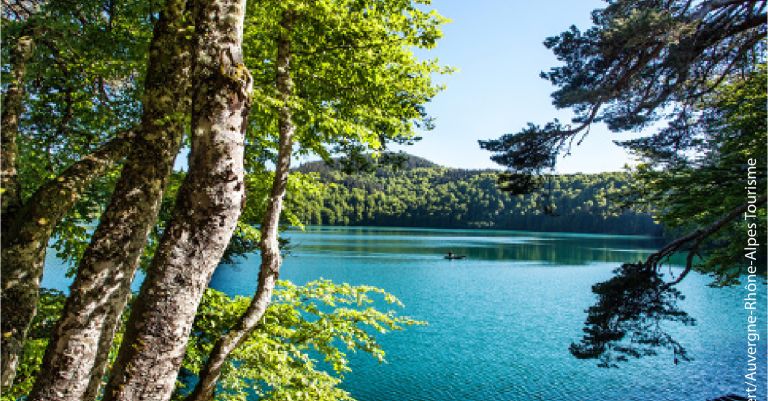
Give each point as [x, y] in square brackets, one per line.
[269, 246]
[12, 107]
[25, 241]
[206, 212]
[75, 360]
[10, 192]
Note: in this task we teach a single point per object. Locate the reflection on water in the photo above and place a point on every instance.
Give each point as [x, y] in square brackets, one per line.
[630, 317]
[501, 321]
[557, 248]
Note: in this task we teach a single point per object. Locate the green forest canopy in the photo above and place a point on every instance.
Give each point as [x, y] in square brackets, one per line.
[419, 193]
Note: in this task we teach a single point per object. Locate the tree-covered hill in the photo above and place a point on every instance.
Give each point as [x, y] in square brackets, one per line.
[419, 193]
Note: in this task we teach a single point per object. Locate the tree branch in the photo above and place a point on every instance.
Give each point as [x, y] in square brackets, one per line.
[25, 239]
[696, 238]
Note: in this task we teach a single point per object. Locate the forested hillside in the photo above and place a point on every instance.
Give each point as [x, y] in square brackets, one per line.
[421, 194]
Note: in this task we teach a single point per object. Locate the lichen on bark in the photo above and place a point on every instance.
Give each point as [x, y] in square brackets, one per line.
[206, 211]
[270, 252]
[20, 53]
[75, 361]
[25, 240]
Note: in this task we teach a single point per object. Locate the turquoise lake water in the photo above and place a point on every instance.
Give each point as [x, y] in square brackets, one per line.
[501, 321]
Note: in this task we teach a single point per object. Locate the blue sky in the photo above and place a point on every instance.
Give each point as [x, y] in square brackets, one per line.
[497, 47]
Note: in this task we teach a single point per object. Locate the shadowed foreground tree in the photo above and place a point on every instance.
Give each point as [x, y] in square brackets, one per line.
[268, 244]
[627, 320]
[641, 61]
[73, 366]
[349, 81]
[68, 119]
[49, 305]
[25, 242]
[13, 99]
[340, 80]
[699, 67]
[723, 154]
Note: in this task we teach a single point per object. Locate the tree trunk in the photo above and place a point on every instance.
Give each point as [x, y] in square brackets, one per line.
[25, 241]
[10, 197]
[75, 360]
[270, 252]
[206, 212]
[111, 325]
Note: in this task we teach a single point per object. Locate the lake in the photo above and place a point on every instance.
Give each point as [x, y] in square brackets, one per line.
[501, 321]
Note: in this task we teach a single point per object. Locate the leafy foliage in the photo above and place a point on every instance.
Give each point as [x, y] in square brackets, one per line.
[83, 86]
[681, 175]
[247, 235]
[358, 85]
[278, 360]
[83, 82]
[357, 80]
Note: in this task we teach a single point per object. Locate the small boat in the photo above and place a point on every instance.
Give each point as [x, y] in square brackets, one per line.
[452, 257]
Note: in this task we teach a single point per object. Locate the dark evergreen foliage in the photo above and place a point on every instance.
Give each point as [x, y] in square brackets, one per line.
[642, 61]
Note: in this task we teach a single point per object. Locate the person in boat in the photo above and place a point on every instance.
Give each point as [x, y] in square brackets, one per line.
[452, 256]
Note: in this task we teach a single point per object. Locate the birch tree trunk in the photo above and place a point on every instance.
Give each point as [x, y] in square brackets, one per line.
[76, 356]
[10, 198]
[206, 212]
[270, 252]
[25, 241]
